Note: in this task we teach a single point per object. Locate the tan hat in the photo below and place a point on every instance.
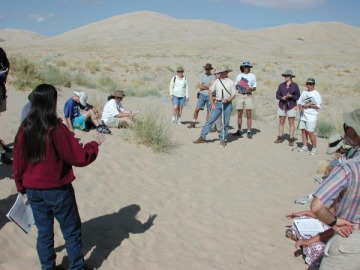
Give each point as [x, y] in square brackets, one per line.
[83, 97]
[352, 119]
[288, 72]
[118, 93]
[180, 68]
[208, 66]
[224, 69]
[335, 142]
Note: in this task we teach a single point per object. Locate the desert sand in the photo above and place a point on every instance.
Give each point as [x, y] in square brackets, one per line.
[217, 208]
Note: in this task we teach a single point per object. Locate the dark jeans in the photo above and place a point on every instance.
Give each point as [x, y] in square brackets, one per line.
[61, 204]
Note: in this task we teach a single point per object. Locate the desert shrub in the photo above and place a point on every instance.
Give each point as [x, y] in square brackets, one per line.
[26, 73]
[92, 66]
[108, 84]
[55, 76]
[142, 93]
[322, 165]
[152, 129]
[80, 79]
[324, 129]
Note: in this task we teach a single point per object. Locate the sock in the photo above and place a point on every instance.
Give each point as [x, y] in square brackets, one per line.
[179, 119]
[194, 120]
[173, 118]
[248, 131]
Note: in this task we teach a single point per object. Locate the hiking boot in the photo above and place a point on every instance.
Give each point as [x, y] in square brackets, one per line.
[291, 141]
[192, 125]
[6, 160]
[199, 140]
[279, 139]
[6, 148]
[249, 135]
[238, 133]
[172, 121]
[313, 151]
[303, 148]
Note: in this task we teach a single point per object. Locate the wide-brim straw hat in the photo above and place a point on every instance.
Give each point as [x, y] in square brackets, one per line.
[335, 142]
[208, 66]
[223, 69]
[180, 68]
[352, 119]
[83, 97]
[288, 72]
[118, 93]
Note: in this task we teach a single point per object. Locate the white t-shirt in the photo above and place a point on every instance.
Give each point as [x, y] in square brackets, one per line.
[179, 88]
[310, 114]
[250, 78]
[111, 109]
[219, 88]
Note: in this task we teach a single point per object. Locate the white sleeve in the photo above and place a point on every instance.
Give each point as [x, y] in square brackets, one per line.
[254, 81]
[318, 101]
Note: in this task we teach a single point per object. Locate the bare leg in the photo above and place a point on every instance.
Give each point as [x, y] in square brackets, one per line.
[175, 109]
[281, 125]
[312, 138]
[304, 137]
[239, 120]
[196, 113]
[291, 126]
[249, 121]
[92, 115]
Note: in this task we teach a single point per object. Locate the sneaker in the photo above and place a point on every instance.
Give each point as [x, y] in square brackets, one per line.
[6, 148]
[6, 160]
[303, 148]
[238, 133]
[305, 200]
[249, 135]
[179, 122]
[103, 129]
[313, 151]
[199, 140]
[192, 125]
[319, 179]
[279, 139]
[172, 121]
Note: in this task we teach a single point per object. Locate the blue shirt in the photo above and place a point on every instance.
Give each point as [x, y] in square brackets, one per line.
[71, 109]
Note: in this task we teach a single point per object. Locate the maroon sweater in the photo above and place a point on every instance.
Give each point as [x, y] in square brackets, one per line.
[56, 170]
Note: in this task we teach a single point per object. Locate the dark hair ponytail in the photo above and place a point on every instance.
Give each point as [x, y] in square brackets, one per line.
[40, 123]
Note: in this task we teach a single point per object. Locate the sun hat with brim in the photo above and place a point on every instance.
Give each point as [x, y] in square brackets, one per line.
[310, 80]
[352, 119]
[83, 97]
[335, 142]
[223, 69]
[208, 66]
[180, 68]
[288, 72]
[118, 93]
[246, 64]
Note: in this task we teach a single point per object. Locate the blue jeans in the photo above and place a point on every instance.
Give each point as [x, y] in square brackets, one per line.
[203, 99]
[61, 204]
[214, 115]
[180, 101]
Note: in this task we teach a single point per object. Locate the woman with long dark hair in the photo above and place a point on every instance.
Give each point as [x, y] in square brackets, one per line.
[44, 153]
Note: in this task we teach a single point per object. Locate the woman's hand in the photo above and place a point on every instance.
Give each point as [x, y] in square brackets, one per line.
[99, 138]
[25, 199]
[171, 97]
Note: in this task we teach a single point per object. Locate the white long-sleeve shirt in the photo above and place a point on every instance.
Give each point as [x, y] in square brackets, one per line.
[180, 87]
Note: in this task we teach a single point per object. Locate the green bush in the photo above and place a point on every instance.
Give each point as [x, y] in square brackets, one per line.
[108, 84]
[142, 93]
[53, 75]
[324, 129]
[26, 73]
[151, 129]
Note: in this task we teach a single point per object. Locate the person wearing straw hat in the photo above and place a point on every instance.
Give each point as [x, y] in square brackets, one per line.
[309, 104]
[245, 84]
[224, 88]
[179, 94]
[4, 71]
[342, 188]
[288, 93]
[203, 95]
[77, 120]
[114, 115]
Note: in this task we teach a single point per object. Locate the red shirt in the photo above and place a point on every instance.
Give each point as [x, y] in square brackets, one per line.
[56, 171]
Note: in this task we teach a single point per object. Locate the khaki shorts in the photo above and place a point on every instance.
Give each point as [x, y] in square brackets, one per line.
[288, 113]
[244, 102]
[342, 253]
[113, 122]
[308, 126]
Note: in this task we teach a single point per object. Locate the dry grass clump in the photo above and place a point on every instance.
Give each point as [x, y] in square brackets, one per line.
[152, 129]
[322, 165]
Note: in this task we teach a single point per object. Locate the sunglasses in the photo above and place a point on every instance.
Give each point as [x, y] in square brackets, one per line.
[180, 72]
[309, 84]
[287, 76]
[207, 68]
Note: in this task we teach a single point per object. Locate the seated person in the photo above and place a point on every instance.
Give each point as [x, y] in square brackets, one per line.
[336, 146]
[312, 247]
[75, 119]
[114, 115]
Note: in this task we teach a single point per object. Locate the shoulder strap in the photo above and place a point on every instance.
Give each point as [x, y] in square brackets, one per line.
[224, 86]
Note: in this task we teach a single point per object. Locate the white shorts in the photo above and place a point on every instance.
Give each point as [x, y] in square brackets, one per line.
[288, 113]
[308, 126]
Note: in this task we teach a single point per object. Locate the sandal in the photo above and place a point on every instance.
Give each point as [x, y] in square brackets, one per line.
[279, 139]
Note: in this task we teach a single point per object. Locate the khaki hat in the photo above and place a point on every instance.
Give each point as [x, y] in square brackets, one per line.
[208, 66]
[83, 97]
[224, 69]
[180, 68]
[335, 142]
[288, 72]
[118, 93]
[310, 80]
[246, 64]
[352, 119]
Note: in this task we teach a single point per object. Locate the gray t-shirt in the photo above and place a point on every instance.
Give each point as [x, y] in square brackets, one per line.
[206, 80]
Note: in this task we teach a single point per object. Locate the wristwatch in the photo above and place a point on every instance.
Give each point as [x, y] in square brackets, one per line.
[334, 222]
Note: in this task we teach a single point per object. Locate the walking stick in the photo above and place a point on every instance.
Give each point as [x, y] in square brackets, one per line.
[297, 128]
[223, 118]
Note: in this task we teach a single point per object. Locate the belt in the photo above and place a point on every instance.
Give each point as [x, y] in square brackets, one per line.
[245, 94]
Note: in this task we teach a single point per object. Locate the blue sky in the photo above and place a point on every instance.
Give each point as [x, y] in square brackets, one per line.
[54, 17]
